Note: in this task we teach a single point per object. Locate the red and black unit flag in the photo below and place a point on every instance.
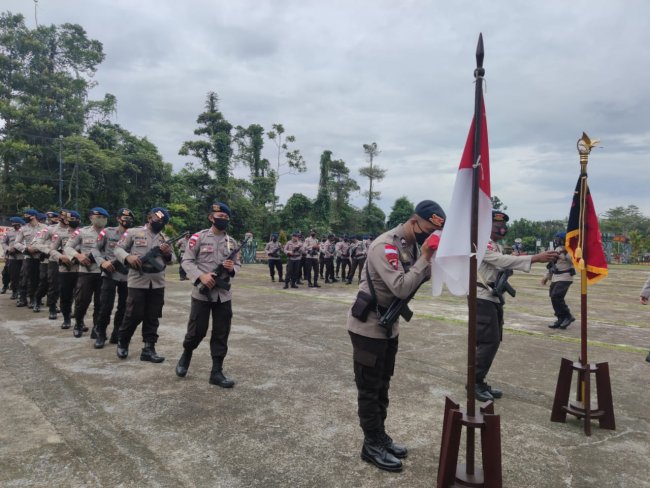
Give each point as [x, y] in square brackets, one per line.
[584, 243]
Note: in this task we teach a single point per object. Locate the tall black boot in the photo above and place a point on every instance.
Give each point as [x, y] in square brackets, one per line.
[78, 329]
[66, 322]
[184, 363]
[374, 451]
[122, 349]
[52, 312]
[100, 339]
[217, 377]
[149, 353]
[37, 306]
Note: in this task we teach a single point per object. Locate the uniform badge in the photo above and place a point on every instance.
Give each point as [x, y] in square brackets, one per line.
[391, 254]
[402, 242]
[193, 240]
[208, 248]
[101, 235]
[140, 241]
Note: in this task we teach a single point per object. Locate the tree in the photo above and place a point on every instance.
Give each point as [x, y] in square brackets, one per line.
[342, 216]
[250, 142]
[373, 173]
[401, 212]
[323, 202]
[288, 161]
[297, 213]
[374, 219]
[497, 204]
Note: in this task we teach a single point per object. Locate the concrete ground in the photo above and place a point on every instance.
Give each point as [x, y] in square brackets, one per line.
[73, 416]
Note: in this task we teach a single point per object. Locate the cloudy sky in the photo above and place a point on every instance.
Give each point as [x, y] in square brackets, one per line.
[338, 74]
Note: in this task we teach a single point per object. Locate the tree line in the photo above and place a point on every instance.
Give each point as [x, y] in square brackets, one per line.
[61, 149]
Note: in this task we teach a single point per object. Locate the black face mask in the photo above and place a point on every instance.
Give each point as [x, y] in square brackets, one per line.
[221, 224]
[501, 231]
[420, 237]
[127, 223]
[74, 224]
[274, 239]
[156, 226]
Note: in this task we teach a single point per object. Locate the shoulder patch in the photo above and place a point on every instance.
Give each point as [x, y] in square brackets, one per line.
[491, 246]
[390, 251]
[101, 235]
[193, 240]
[76, 233]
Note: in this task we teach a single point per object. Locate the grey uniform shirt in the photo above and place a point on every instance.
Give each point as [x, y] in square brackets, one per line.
[84, 242]
[8, 244]
[493, 262]
[562, 268]
[138, 242]
[57, 244]
[205, 251]
[311, 247]
[387, 256]
[25, 238]
[293, 250]
[273, 247]
[105, 251]
[645, 291]
[44, 239]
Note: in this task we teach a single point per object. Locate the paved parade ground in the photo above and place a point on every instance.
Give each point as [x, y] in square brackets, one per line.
[73, 416]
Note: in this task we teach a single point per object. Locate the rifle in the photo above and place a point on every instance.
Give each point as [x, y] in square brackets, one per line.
[149, 262]
[275, 254]
[501, 285]
[220, 275]
[398, 307]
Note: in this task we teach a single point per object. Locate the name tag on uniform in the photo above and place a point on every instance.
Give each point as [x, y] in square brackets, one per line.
[89, 241]
[140, 241]
[112, 244]
[207, 249]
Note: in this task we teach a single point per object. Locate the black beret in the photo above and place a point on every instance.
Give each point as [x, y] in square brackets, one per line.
[431, 211]
[499, 216]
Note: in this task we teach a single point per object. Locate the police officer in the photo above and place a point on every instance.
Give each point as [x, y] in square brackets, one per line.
[328, 248]
[82, 247]
[49, 268]
[358, 257]
[396, 268]
[273, 249]
[489, 310]
[644, 295]
[311, 249]
[293, 250]
[14, 258]
[344, 252]
[30, 270]
[113, 277]
[206, 251]
[69, 223]
[560, 273]
[146, 285]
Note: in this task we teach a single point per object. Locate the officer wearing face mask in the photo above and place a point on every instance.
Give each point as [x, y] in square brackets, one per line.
[397, 263]
[489, 307]
[14, 259]
[49, 268]
[112, 278]
[273, 250]
[146, 285]
[82, 248]
[29, 272]
[206, 251]
[68, 270]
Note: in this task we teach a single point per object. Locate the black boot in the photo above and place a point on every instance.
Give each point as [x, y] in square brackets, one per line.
[149, 353]
[184, 363]
[100, 342]
[66, 322]
[122, 350]
[52, 313]
[3, 291]
[555, 324]
[397, 450]
[374, 451]
[93, 333]
[22, 302]
[14, 295]
[217, 377]
[113, 339]
[78, 329]
[482, 393]
[567, 322]
[37, 306]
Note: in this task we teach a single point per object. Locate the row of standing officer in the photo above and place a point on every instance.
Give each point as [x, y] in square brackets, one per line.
[338, 258]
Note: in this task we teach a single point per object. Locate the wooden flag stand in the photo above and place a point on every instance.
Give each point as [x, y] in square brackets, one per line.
[450, 473]
[581, 407]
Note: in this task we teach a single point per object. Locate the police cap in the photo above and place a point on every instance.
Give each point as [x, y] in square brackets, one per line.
[499, 216]
[220, 207]
[431, 211]
[98, 211]
[161, 213]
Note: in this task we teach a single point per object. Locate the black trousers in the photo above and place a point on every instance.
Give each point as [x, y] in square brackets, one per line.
[275, 264]
[142, 305]
[5, 275]
[67, 285]
[338, 266]
[15, 266]
[302, 273]
[293, 271]
[329, 269]
[181, 272]
[489, 332]
[311, 267]
[345, 265]
[374, 365]
[43, 283]
[557, 292]
[88, 287]
[107, 300]
[29, 278]
[356, 263]
[197, 326]
[321, 265]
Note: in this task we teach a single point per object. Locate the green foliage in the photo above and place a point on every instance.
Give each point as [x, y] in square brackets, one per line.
[374, 219]
[323, 203]
[401, 212]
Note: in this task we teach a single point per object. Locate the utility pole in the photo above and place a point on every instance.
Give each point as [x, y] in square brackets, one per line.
[60, 171]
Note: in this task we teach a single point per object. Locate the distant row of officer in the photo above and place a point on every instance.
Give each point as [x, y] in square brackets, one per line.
[95, 263]
[338, 258]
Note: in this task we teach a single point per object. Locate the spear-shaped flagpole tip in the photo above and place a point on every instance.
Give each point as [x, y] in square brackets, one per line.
[479, 51]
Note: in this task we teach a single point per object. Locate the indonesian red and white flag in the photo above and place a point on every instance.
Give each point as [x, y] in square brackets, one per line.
[451, 263]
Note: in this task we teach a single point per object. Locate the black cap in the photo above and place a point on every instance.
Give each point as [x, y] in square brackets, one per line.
[499, 216]
[431, 211]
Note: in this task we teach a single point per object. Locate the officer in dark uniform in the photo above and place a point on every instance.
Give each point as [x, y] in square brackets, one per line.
[14, 258]
[29, 273]
[489, 307]
[112, 278]
[311, 249]
[273, 250]
[206, 251]
[560, 273]
[146, 285]
[293, 250]
[49, 268]
[329, 250]
[70, 220]
[396, 267]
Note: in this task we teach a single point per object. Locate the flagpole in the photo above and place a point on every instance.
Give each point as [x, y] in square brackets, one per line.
[479, 72]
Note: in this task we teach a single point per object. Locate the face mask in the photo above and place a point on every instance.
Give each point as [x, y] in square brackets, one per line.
[501, 231]
[220, 224]
[16, 227]
[156, 226]
[126, 222]
[313, 235]
[274, 239]
[420, 237]
[74, 224]
[99, 221]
